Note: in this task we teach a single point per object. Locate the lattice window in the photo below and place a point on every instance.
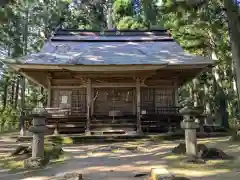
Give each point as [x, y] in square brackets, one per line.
[147, 98]
[61, 98]
[152, 98]
[164, 97]
[79, 101]
[74, 100]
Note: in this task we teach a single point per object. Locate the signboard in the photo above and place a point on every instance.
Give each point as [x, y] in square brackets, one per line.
[64, 100]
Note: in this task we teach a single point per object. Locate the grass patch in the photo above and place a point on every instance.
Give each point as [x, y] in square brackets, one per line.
[59, 140]
[52, 154]
[177, 164]
[16, 164]
[178, 161]
[12, 163]
[174, 157]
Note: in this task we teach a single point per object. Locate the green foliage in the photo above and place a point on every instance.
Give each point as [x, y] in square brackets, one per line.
[9, 119]
[122, 8]
[149, 12]
[24, 27]
[129, 22]
[52, 151]
[199, 26]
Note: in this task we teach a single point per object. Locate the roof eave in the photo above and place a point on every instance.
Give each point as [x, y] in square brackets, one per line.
[106, 67]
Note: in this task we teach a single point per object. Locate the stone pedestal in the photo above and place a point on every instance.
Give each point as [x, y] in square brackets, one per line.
[38, 129]
[190, 136]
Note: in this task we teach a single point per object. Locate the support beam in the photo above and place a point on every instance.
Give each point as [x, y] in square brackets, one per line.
[113, 85]
[138, 93]
[89, 102]
[31, 78]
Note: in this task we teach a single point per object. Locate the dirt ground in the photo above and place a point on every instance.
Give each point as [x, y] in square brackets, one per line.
[119, 161]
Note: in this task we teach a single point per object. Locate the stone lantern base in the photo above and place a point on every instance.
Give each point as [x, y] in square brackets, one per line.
[35, 163]
[190, 137]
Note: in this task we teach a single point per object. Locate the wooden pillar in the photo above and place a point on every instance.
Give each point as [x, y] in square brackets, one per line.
[93, 101]
[138, 93]
[89, 102]
[176, 95]
[49, 92]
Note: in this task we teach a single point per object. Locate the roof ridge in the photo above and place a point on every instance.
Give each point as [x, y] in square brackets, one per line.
[114, 40]
[70, 32]
[114, 30]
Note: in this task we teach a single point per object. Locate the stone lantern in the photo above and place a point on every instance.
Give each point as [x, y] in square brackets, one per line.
[38, 129]
[190, 127]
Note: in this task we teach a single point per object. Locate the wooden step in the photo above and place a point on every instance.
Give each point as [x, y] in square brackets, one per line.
[155, 122]
[75, 123]
[71, 130]
[114, 121]
[116, 132]
[66, 120]
[65, 125]
[112, 129]
[116, 117]
[112, 124]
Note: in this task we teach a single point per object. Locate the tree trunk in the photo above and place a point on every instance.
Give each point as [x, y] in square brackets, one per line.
[207, 103]
[223, 110]
[22, 93]
[12, 93]
[16, 94]
[5, 94]
[109, 15]
[195, 93]
[150, 12]
[232, 11]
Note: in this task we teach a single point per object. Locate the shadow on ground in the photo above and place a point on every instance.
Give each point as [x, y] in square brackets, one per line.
[118, 161]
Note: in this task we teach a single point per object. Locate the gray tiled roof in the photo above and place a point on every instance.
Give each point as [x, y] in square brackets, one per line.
[113, 49]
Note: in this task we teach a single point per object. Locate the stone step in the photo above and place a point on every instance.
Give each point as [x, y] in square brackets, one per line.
[161, 174]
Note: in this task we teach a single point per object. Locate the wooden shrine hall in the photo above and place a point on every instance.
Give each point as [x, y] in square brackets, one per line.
[112, 81]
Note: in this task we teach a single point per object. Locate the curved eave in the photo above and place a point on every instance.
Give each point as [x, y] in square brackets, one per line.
[110, 67]
[30, 70]
[50, 67]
